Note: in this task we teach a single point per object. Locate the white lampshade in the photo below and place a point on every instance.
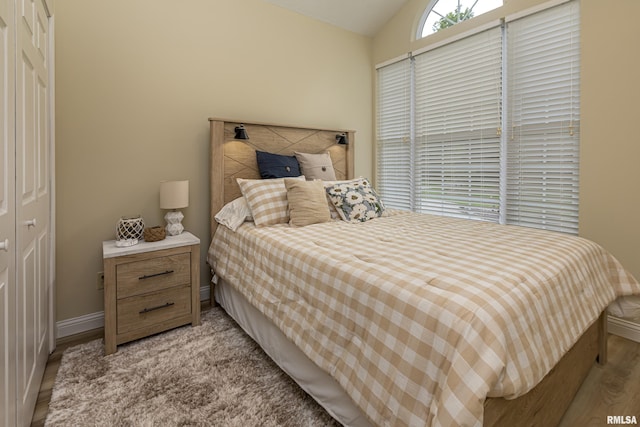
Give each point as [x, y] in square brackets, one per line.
[174, 194]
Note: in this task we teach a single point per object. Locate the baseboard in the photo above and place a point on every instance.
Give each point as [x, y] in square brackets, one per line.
[205, 291]
[78, 325]
[624, 328]
[88, 322]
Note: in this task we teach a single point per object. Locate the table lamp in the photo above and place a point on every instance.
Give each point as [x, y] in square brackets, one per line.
[174, 195]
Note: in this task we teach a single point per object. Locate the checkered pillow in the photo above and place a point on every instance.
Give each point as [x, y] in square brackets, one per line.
[267, 199]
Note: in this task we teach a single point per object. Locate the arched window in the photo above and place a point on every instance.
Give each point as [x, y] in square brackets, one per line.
[441, 14]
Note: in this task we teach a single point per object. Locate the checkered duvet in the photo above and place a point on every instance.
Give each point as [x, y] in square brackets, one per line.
[418, 317]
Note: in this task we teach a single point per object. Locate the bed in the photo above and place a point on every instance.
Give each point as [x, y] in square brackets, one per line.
[313, 302]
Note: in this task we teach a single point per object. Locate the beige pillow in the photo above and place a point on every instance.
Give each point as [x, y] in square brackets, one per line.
[307, 202]
[267, 199]
[316, 166]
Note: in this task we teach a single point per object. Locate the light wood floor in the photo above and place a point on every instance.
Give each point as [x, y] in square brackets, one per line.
[49, 377]
[613, 389]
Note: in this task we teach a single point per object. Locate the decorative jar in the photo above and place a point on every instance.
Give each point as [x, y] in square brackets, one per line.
[130, 228]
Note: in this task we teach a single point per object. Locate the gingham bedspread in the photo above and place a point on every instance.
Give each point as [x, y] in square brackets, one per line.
[419, 317]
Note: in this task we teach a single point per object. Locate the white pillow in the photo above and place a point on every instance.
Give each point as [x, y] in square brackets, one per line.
[267, 199]
[234, 213]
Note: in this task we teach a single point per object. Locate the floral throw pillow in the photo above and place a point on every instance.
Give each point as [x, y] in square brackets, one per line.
[355, 201]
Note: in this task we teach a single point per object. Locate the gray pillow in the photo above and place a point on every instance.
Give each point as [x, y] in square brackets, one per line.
[316, 166]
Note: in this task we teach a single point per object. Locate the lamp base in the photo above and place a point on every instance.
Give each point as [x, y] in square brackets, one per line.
[174, 223]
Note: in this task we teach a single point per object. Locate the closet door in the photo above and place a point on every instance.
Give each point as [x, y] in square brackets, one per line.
[32, 202]
[7, 217]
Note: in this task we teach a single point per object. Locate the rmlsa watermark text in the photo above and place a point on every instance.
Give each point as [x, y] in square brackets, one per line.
[622, 419]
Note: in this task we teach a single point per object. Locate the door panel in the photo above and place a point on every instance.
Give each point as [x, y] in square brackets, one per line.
[42, 315]
[7, 217]
[32, 202]
[27, 357]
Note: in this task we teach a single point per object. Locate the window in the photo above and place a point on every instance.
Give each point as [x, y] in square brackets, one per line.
[394, 108]
[441, 14]
[487, 127]
[458, 97]
[543, 124]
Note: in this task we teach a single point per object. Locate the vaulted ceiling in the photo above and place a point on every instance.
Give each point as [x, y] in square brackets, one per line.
[360, 16]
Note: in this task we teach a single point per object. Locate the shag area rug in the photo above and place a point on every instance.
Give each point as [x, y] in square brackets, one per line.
[208, 375]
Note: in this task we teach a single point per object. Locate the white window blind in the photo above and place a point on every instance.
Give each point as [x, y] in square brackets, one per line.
[543, 119]
[394, 148]
[487, 127]
[458, 101]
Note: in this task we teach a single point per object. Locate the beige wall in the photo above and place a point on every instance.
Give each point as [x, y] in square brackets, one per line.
[610, 148]
[136, 82]
[610, 91]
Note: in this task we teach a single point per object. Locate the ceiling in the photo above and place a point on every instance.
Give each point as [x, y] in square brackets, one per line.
[360, 16]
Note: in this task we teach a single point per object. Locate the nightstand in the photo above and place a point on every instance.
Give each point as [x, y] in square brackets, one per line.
[150, 287]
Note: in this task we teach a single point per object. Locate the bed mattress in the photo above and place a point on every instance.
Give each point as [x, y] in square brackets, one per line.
[417, 317]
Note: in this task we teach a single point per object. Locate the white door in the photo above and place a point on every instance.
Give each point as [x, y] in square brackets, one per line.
[7, 217]
[32, 202]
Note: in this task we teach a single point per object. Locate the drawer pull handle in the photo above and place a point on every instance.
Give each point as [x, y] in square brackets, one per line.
[148, 276]
[146, 310]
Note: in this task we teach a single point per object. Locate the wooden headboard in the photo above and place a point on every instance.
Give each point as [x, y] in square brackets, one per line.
[232, 158]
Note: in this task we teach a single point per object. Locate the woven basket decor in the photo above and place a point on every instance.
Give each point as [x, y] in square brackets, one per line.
[130, 228]
[153, 234]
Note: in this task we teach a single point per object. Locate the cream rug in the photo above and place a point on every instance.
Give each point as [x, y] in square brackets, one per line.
[209, 375]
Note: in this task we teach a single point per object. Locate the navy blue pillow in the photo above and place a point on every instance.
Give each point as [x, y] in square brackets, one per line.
[277, 166]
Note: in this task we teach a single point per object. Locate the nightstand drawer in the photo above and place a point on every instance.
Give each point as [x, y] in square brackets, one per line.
[140, 277]
[148, 310]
